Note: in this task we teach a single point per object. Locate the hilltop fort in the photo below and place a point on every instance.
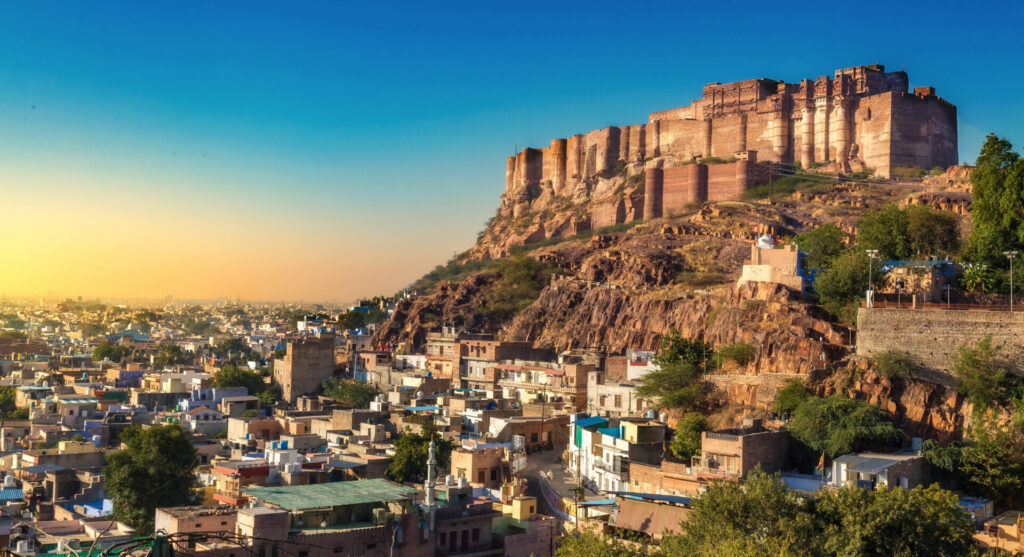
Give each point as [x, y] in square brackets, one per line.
[862, 118]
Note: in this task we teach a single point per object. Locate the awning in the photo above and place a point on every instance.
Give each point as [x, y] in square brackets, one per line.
[596, 503]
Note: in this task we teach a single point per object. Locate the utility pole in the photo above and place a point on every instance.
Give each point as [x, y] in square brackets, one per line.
[1010, 255]
[771, 188]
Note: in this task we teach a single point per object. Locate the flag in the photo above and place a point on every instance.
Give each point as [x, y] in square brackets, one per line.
[821, 463]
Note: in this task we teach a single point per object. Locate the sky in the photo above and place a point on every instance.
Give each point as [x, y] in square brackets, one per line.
[327, 151]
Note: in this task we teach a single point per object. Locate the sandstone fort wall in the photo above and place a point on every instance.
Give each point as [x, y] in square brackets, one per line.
[863, 116]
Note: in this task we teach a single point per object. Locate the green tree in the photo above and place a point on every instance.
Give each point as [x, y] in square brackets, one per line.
[678, 381]
[154, 468]
[8, 395]
[686, 443]
[352, 320]
[351, 393]
[992, 461]
[233, 376]
[886, 231]
[589, 544]
[411, 450]
[822, 245]
[983, 375]
[791, 396]
[759, 517]
[169, 354]
[917, 231]
[846, 281]
[93, 329]
[837, 425]
[931, 232]
[376, 316]
[997, 211]
[112, 352]
[893, 522]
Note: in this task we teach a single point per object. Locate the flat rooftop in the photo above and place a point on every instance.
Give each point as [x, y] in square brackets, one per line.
[335, 494]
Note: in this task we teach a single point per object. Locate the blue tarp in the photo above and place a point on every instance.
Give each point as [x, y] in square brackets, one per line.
[611, 431]
[593, 421]
[11, 495]
[423, 408]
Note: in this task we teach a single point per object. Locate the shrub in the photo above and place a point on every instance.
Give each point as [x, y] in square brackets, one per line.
[786, 185]
[893, 365]
[790, 397]
[984, 376]
[739, 352]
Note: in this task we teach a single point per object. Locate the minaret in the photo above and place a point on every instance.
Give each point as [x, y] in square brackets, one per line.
[431, 475]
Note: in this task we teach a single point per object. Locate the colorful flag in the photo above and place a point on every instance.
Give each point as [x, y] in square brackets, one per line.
[821, 463]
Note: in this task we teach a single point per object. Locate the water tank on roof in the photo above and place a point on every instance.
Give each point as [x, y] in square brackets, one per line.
[462, 481]
[8, 481]
[766, 242]
[663, 417]
[449, 480]
[651, 414]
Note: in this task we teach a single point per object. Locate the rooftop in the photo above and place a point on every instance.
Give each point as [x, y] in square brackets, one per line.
[194, 511]
[336, 494]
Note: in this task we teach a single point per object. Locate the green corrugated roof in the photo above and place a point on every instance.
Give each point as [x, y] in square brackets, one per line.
[334, 494]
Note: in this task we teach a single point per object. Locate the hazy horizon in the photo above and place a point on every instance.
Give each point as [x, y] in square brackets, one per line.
[341, 151]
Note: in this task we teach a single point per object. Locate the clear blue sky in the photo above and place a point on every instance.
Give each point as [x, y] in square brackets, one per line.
[337, 137]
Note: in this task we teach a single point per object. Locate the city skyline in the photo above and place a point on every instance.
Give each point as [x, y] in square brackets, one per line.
[216, 152]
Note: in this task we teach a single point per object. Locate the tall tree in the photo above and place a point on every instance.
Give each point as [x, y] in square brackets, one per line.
[997, 211]
[678, 381]
[351, 393]
[822, 245]
[411, 451]
[893, 522]
[759, 517]
[233, 376]
[169, 354]
[837, 425]
[154, 468]
[686, 443]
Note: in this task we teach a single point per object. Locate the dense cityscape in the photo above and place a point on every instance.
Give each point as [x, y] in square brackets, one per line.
[570, 280]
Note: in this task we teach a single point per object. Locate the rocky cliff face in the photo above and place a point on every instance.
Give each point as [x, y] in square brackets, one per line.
[628, 286]
[920, 408]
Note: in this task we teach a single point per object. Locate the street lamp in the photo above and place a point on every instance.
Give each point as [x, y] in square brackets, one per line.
[1010, 255]
[872, 254]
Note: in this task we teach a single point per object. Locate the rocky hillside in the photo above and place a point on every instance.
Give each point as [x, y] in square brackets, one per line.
[628, 286]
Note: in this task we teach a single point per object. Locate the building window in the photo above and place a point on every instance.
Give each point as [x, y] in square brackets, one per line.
[533, 437]
[494, 474]
[476, 534]
[444, 538]
[618, 401]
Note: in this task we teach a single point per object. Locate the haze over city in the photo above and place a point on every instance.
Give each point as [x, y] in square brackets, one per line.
[218, 150]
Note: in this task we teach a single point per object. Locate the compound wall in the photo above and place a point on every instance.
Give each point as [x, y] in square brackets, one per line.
[932, 336]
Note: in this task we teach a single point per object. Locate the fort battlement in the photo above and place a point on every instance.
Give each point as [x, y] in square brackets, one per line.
[861, 117]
